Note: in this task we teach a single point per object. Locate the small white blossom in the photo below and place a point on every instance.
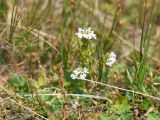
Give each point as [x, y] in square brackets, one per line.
[79, 33]
[82, 75]
[85, 70]
[75, 105]
[112, 59]
[86, 33]
[79, 73]
[112, 54]
[73, 76]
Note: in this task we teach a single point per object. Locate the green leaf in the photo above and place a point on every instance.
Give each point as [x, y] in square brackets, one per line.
[126, 115]
[128, 77]
[108, 117]
[119, 68]
[103, 117]
[41, 81]
[55, 77]
[145, 105]
[56, 105]
[157, 79]
[121, 107]
[153, 116]
[18, 81]
[34, 83]
[31, 47]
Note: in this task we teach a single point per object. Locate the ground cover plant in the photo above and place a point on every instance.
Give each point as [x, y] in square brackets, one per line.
[79, 60]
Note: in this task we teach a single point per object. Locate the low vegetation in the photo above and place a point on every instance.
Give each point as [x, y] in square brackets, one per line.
[79, 60]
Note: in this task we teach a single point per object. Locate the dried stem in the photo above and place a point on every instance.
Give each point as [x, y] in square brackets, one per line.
[123, 89]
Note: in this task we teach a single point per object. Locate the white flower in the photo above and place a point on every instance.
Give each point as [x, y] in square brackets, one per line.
[79, 33]
[111, 59]
[85, 70]
[112, 54]
[82, 76]
[79, 73]
[86, 33]
[73, 76]
[75, 105]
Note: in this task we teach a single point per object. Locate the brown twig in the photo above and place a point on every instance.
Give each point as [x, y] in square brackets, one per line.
[123, 89]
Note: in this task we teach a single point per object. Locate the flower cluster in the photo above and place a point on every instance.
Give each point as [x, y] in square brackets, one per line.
[111, 59]
[79, 73]
[86, 33]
